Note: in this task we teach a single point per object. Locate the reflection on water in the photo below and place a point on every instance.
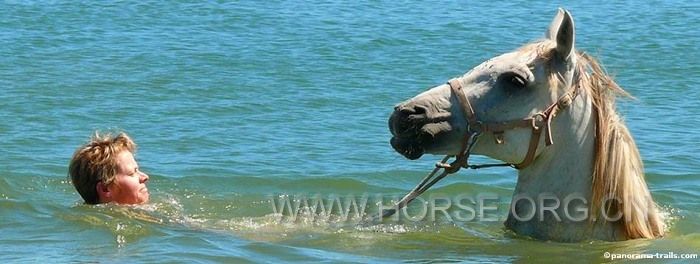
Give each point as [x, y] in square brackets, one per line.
[130, 225]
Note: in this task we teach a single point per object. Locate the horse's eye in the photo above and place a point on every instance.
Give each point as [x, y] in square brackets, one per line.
[518, 81]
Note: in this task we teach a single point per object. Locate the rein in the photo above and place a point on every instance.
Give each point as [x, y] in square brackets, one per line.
[536, 123]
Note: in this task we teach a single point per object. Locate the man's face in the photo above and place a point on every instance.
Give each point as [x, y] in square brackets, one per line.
[129, 187]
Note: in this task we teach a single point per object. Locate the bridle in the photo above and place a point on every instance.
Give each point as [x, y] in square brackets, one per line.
[537, 122]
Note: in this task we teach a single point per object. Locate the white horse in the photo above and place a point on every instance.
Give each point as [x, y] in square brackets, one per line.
[582, 179]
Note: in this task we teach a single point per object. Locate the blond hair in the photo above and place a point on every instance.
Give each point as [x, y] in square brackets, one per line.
[618, 170]
[96, 161]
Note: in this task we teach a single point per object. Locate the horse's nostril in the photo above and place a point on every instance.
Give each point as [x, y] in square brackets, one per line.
[406, 110]
[406, 119]
[419, 110]
[411, 110]
[398, 122]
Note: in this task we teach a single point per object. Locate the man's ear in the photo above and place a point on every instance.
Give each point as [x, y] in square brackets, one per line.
[103, 193]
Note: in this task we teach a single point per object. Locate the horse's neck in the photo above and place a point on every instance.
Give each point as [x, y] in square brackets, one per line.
[562, 171]
[565, 167]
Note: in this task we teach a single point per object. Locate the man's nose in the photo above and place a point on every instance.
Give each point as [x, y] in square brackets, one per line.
[144, 177]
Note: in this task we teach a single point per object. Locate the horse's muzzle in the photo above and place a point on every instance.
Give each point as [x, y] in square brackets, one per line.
[406, 125]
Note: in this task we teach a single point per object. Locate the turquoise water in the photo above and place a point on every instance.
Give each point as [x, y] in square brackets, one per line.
[233, 104]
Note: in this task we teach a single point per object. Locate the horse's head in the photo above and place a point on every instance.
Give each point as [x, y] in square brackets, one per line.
[503, 109]
[512, 86]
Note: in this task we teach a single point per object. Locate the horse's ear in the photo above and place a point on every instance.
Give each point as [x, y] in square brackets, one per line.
[562, 31]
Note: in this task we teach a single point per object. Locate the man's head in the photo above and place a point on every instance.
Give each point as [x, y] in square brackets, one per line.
[104, 170]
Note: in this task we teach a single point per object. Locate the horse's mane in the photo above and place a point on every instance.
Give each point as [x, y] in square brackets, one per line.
[618, 171]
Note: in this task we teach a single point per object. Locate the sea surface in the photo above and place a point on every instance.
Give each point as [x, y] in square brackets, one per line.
[239, 106]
